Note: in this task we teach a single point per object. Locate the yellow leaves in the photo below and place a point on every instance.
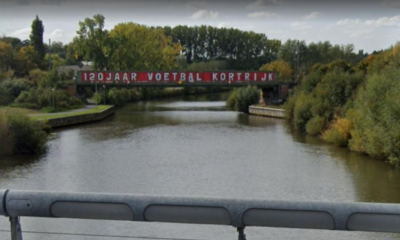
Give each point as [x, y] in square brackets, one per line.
[6, 55]
[282, 67]
[396, 50]
[141, 48]
[338, 132]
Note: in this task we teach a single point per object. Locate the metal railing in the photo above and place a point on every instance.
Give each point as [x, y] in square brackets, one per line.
[238, 213]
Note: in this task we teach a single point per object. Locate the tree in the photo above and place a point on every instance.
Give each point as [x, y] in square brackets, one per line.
[6, 56]
[25, 61]
[138, 47]
[93, 43]
[36, 38]
[282, 67]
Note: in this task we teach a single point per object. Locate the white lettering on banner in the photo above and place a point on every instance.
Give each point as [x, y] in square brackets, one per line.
[116, 78]
[214, 76]
[100, 76]
[91, 76]
[174, 74]
[125, 78]
[158, 76]
[255, 77]
[222, 76]
[183, 77]
[198, 77]
[133, 76]
[239, 76]
[166, 76]
[150, 76]
[247, 76]
[191, 77]
[109, 77]
[231, 76]
[270, 77]
[264, 78]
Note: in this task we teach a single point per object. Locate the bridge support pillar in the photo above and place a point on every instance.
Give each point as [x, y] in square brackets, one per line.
[270, 95]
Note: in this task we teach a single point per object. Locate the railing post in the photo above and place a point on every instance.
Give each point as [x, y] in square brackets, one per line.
[16, 232]
[242, 236]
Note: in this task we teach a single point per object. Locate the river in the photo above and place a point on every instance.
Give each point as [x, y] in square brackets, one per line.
[194, 147]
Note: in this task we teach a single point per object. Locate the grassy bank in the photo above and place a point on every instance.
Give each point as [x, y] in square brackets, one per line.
[45, 117]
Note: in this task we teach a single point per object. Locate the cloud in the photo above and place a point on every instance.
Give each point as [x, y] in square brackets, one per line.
[201, 14]
[224, 25]
[58, 33]
[264, 3]
[312, 15]
[364, 33]
[347, 22]
[300, 25]
[22, 33]
[384, 22]
[379, 22]
[262, 15]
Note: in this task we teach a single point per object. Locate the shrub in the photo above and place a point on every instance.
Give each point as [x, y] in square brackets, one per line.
[6, 75]
[316, 125]
[231, 102]
[5, 97]
[20, 134]
[242, 98]
[302, 110]
[36, 75]
[376, 116]
[339, 132]
[14, 86]
[44, 97]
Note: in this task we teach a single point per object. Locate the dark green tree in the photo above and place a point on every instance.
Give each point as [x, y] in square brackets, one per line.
[36, 38]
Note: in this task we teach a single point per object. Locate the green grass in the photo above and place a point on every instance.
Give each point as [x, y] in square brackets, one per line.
[20, 110]
[97, 109]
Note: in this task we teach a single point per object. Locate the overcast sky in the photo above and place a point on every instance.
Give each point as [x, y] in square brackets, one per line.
[368, 24]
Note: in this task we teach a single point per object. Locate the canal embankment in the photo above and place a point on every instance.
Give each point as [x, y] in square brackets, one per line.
[267, 112]
[64, 119]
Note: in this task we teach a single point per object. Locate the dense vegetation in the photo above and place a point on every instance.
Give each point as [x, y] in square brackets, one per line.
[353, 106]
[20, 135]
[241, 98]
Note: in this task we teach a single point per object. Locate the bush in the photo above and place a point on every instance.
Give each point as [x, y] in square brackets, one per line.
[302, 111]
[5, 97]
[316, 125]
[14, 86]
[43, 97]
[339, 132]
[241, 98]
[376, 116]
[6, 75]
[231, 102]
[20, 134]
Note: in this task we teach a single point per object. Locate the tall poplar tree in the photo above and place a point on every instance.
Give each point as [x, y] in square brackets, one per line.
[37, 39]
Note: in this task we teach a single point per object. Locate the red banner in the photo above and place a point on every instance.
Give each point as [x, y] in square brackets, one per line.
[170, 77]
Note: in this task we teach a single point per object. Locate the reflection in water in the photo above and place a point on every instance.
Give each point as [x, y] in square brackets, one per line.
[162, 148]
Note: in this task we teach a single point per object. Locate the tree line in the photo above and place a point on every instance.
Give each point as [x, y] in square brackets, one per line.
[131, 46]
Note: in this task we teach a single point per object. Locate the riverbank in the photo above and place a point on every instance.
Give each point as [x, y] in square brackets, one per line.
[79, 116]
